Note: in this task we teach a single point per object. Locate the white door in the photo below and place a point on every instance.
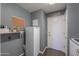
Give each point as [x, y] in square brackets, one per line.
[56, 33]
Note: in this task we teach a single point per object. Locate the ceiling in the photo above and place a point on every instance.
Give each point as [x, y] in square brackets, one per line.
[31, 7]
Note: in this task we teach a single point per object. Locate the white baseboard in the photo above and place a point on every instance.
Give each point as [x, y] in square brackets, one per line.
[43, 50]
[21, 54]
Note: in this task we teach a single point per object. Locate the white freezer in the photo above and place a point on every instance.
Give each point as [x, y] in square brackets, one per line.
[32, 41]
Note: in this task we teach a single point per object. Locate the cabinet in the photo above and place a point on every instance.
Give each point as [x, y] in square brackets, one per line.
[11, 44]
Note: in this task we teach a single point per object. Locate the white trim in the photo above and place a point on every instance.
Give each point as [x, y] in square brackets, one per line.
[43, 50]
[21, 54]
[66, 17]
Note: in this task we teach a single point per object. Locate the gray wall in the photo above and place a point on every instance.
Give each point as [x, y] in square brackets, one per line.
[73, 20]
[0, 24]
[10, 9]
[0, 13]
[42, 23]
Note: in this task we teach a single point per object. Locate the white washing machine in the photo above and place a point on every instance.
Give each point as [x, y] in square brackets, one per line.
[74, 47]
